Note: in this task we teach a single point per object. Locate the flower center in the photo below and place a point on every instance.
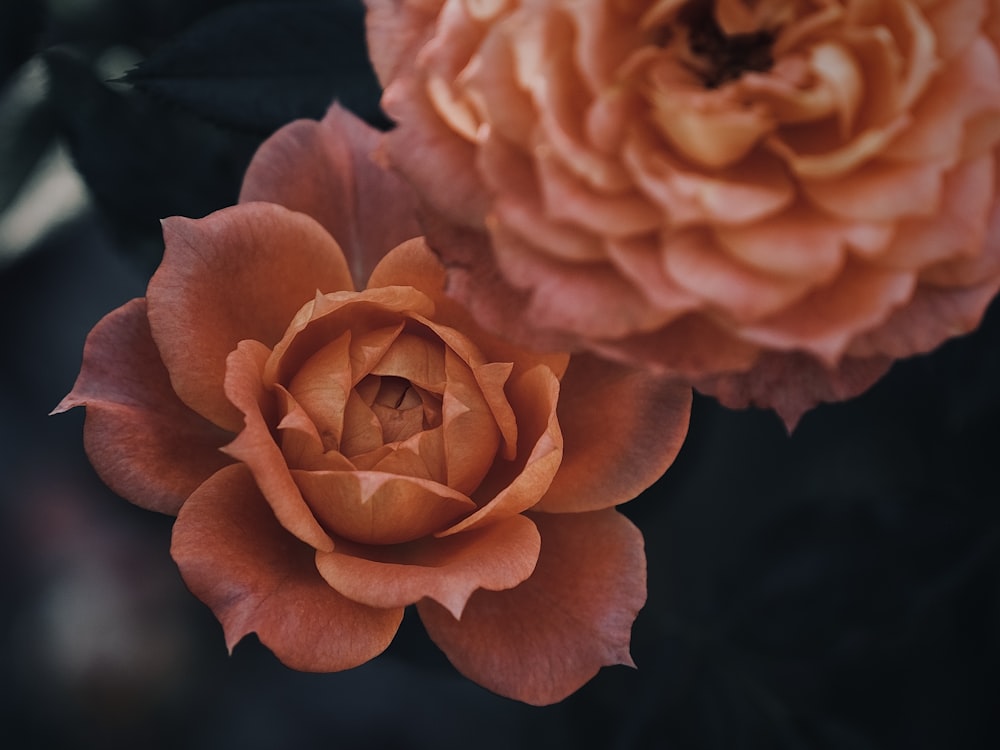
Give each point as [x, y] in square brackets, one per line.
[400, 409]
[715, 56]
[396, 393]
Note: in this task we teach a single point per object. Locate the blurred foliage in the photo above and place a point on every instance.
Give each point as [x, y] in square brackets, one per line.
[258, 66]
[837, 589]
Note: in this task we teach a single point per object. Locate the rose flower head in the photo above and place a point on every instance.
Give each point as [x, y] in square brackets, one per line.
[333, 456]
[773, 199]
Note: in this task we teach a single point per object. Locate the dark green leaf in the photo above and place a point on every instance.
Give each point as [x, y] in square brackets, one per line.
[141, 161]
[256, 67]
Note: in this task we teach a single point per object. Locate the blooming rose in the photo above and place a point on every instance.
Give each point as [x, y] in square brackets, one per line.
[773, 199]
[333, 456]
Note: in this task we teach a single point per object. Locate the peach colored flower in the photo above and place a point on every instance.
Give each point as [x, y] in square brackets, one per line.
[773, 199]
[334, 455]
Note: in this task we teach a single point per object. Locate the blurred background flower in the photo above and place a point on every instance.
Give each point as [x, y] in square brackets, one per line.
[772, 200]
[834, 590]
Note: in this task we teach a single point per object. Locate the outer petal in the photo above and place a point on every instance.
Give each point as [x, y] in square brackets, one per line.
[544, 639]
[324, 169]
[440, 166]
[622, 428]
[256, 577]
[143, 441]
[395, 28]
[499, 556]
[792, 383]
[239, 273]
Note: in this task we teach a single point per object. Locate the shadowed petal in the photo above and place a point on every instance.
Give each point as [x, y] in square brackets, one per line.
[688, 347]
[622, 428]
[258, 578]
[239, 273]
[324, 169]
[542, 640]
[447, 570]
[791, 383]
[934, 315]
[143, 441]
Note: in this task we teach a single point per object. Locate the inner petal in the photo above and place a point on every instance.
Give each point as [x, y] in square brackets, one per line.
[398, 408]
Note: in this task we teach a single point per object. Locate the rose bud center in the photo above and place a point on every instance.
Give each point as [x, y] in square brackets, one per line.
[714, 56]
[402, 409]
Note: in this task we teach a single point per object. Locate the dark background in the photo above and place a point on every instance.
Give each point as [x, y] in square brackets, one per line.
[838, 589]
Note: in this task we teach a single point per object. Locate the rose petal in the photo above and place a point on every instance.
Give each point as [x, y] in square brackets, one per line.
[957, 229]
[933, 315]
[325, 169]
[301, 444]
[143, 441]
[256, 577]
[542, 640]
[751, 190]
[439, 166]
[321, 387]
[239, 273]
[622, 428]
[471, 434]
[824, 323]
[792, 383]
[416, 358]
[589, 298]
[373, 316]
[475, 281]
[422, 456]
[414, 264]
[372, 507]
[497, 556]
[255, 445]
[880, 191]
[800, 242]
[965, 89]
[398, 26]
[640, 260]
[956, 24]
[688, 347]
[513, 487]
[742, 292]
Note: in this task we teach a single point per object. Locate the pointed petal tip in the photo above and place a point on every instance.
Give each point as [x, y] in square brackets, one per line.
[68, 402]
[791, 417]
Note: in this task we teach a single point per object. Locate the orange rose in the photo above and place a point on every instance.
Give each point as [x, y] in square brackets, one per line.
[772, 199]
[333, 456]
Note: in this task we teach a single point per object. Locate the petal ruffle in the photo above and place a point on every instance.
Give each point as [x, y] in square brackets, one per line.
[256, 577]
[143, 441]
[792, 383]
[372, 507]
[256, 446]
[325, 169]
[622, 428]
[448, 570]
[512, 487]
[239, 273]
[542, 640]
